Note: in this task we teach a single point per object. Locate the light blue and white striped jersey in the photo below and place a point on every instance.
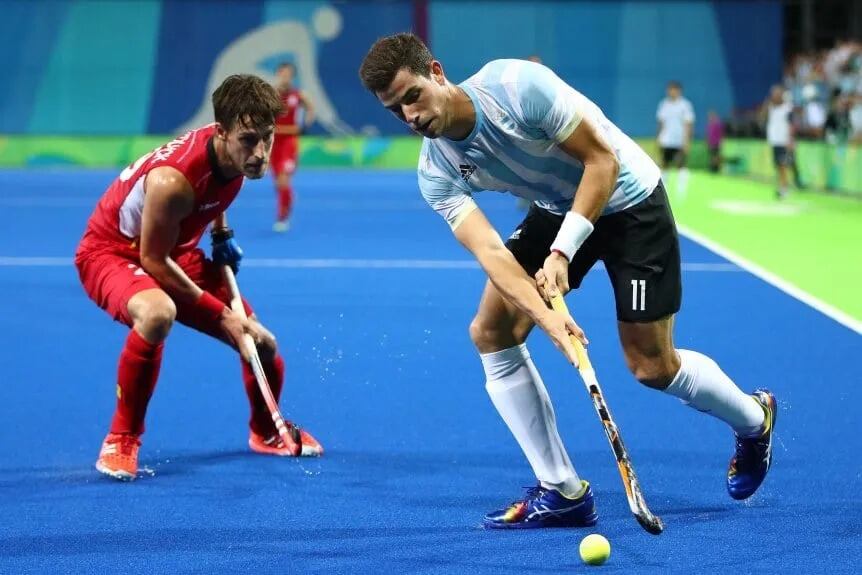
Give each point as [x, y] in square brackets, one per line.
[523, 110]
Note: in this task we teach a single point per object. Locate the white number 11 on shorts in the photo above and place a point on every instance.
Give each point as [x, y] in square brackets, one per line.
[639, 295]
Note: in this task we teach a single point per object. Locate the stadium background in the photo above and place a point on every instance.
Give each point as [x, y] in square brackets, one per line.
[98, 84]
[88, 86]
[147, 67]
[114, 72]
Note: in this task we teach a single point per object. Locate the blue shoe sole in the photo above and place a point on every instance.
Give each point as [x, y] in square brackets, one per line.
[588, 521]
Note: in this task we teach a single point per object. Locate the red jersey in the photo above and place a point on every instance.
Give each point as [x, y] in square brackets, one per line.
[115, 224]
[290, 104]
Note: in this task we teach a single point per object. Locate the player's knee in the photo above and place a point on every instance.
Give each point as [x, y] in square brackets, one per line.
[267, 347]
[477, 331]
[489, 336]
[656, 372]
[155, 319]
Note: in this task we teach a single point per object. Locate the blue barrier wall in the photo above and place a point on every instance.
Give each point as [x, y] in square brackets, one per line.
[148, 66]
[622, 54]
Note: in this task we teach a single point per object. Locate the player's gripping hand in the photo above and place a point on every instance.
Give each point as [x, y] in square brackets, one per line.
[559, 327]
[553, 278]
[263, 338]
[235, 327]
[225, 250]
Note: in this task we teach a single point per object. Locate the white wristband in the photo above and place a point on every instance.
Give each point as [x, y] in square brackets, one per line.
[575, 229]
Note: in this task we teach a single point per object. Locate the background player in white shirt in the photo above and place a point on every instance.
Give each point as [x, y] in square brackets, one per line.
[675, 116]
[515, 126]
[779, 133]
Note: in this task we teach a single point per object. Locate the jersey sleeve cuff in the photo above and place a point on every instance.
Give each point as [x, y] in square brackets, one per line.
[569, 128]
[466, 209]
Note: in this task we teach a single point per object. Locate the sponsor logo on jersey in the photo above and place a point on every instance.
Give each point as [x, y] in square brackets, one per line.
[466, 171]
[163, 153]
[208, 206]
[138, 270]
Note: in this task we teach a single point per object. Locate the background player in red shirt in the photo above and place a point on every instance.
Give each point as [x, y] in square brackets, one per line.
[139, 261]
[285, 148]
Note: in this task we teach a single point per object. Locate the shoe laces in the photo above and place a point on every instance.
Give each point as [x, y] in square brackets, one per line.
[127, 444]
[744, 448]
[533, 492]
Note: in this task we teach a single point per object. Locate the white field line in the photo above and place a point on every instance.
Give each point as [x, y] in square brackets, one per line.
[739, 264]
[772, 279]
[335, 263]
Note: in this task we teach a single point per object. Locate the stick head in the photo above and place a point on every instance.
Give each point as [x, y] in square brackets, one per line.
[651, 523]
[291, 437]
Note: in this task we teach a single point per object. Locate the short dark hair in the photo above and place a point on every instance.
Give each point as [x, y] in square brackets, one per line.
[286, 65]
[389, 55]
[674, 84]
[247, 99]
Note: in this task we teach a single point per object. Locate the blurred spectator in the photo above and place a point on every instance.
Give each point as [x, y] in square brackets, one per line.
[675, 116]
[744, 123]
[813, 113]
[825, 85]
[856, 119]
[714, 134]
[778, 109]
[838, 120]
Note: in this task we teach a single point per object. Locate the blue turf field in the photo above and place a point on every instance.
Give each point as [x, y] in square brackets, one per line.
[370, 298]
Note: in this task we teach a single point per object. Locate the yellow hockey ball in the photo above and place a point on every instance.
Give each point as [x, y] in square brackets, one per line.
[595, 549]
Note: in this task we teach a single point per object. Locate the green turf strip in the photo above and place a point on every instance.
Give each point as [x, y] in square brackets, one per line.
[810, 239]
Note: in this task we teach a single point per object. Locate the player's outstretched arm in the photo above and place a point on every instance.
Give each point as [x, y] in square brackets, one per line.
[507, 275]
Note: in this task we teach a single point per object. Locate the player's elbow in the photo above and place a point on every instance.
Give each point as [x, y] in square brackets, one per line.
[608, 165]
[612, 165]
[491, 254]
[153, 265]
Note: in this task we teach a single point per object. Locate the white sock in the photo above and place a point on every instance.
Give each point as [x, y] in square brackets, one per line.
[701, 384]
[517, 391]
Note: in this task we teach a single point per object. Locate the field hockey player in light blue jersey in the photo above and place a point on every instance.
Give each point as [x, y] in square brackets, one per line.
[515, 126]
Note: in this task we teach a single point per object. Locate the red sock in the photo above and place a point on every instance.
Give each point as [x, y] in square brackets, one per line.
[285, 202]
[261, 419]
[138, 371]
